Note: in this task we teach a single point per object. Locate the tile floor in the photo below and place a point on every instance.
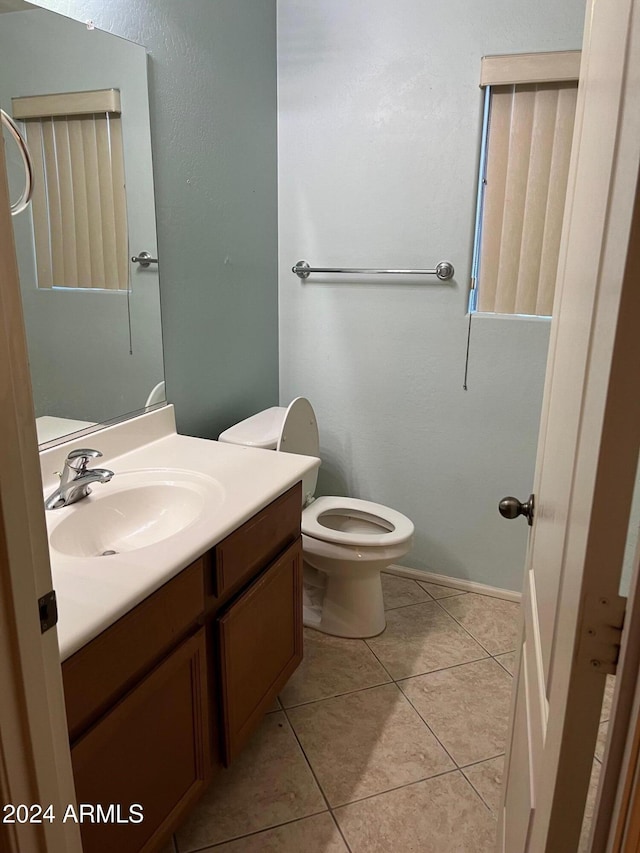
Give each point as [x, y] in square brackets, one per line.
[597, 763]
[391, 744]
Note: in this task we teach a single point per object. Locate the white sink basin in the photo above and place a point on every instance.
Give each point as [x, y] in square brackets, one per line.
[134, 510]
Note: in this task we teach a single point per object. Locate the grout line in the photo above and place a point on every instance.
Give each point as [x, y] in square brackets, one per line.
[313, 773]
[256, 832]
[398, 787]
[495, 657]
[379, 661]
[482, 761]
[478, 794]
[306, 758]
[339, 828]
[409, 604]
[446, 581]
[473, 637]
[337, 695]
[441, 597]
[464, 628]
[420, 588]
[442, 668]
[455, 763]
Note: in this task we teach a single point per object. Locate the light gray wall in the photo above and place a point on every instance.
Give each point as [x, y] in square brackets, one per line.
[212, 77]
[379, 125]
[83, 363]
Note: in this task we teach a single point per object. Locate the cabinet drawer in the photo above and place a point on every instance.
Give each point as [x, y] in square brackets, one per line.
[103, 670]
[258, 541]
[151, 749]
[259, 647]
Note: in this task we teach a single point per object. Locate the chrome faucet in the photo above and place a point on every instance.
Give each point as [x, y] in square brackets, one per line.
[76, 479]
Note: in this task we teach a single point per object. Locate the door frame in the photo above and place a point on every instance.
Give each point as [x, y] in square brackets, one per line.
[35, 759]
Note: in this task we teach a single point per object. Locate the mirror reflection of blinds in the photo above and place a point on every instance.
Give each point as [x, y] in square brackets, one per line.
[79, 206]
[527, 164]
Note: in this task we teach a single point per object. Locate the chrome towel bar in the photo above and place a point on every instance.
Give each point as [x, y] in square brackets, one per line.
[444, 271]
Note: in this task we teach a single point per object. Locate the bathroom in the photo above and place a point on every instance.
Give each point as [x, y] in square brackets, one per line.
[346, 135]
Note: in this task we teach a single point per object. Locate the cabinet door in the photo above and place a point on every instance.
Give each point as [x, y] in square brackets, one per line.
[150, 749]
[260, 646]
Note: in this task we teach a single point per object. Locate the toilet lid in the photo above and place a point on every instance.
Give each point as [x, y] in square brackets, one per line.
[379, 525]
[299, 434]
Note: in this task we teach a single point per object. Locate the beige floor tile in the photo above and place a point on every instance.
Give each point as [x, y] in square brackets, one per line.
[486, 778]
[603, 731]
[436, 591]
[268, 784]
[332, 665]
[317, 834]
[508, 661]
[466, 707]
[607, 701]
[589, 807]
[492, 621]
[421, 638]
[275, 707]
[398, 591]
[441, 815]
[366, 742]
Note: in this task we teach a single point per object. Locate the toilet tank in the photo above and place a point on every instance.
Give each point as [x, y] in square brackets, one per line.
[260, 430]
[291, 430]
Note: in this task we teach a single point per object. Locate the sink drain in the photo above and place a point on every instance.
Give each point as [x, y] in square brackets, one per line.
[108, 553]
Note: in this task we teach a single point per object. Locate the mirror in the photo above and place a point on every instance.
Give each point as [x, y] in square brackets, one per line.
[92, 315]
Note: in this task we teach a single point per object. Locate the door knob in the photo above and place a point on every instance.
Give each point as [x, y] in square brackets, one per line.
[512, 508]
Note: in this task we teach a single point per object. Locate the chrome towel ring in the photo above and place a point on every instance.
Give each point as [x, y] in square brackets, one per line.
[25, 198]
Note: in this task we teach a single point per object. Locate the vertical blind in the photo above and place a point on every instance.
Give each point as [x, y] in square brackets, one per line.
[79, 206]
[527, 165]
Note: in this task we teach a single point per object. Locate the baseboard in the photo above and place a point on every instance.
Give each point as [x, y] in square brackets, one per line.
[454, 583]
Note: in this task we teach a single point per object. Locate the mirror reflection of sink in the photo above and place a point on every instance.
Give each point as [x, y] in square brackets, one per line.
[135, 510]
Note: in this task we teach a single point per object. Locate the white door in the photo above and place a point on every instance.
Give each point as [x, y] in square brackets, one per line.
[587, 455]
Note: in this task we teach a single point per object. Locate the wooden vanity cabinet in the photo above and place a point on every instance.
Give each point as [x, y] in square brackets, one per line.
[175, 687]
[138, 716]
[151, 749]
[254, 610]
[259, 647]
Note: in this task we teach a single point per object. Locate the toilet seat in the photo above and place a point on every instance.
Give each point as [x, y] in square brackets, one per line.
[394, 526]
[299, 434]
[347, 542]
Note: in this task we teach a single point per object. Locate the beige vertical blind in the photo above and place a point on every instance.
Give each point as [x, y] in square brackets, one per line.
[79, 206]
[527, 165]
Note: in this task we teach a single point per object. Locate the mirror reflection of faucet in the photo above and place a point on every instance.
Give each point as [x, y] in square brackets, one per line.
[76, 478]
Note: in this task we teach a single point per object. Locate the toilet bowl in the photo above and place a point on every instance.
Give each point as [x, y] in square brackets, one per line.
[346, 542]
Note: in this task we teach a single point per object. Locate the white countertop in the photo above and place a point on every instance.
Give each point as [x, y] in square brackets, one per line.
[49, 428]
[93, 592]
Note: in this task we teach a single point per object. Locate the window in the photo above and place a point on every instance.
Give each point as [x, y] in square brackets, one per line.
[530, 102]
[79, 206]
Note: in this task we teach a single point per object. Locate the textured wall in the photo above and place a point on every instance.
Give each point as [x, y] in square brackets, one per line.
[379, 115]
[379, 124]
[212, 79]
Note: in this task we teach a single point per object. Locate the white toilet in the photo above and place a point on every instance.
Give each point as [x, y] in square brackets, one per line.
[346, 542]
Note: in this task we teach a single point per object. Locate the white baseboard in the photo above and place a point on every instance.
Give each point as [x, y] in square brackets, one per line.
[454, 583]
